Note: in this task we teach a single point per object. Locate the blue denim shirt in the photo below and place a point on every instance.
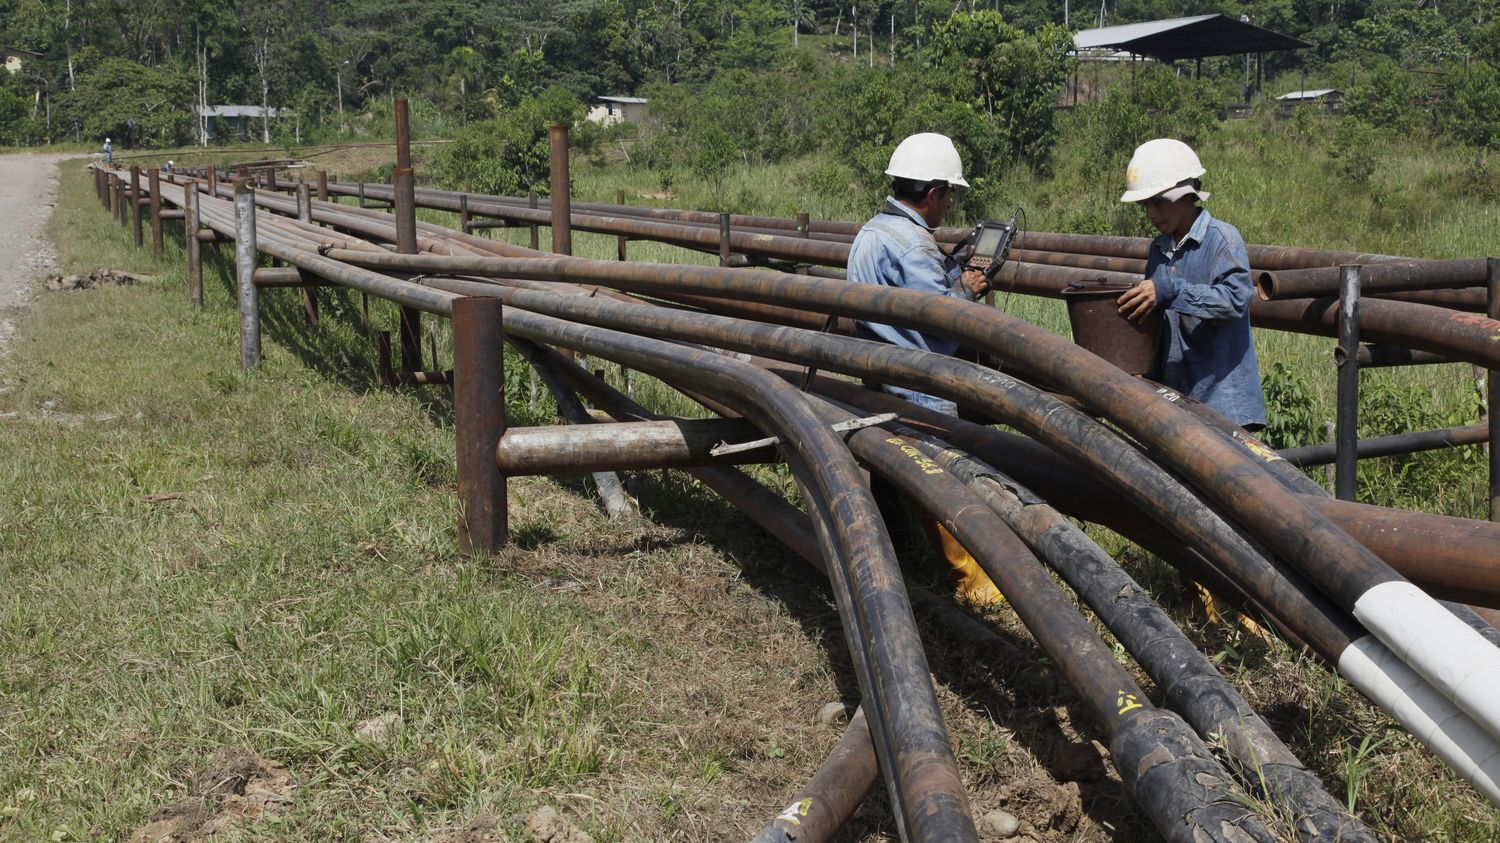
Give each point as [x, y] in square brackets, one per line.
[1204, 287]
[896, 249]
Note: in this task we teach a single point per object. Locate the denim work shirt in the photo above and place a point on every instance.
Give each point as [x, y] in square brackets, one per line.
[1204, 287]
[896, 249]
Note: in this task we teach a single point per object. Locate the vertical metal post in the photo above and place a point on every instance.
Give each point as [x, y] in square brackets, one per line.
[190, 226]
[1346, 357]
[109, 192]
[803, 223]
[98, 191]
[1492, 283]
[271, 180]
[153, 176]
[245, 255]
[723, 239]
[620, 241]
[536, 237]
[137, 229]
[120, 195]
[479, 421]
[361, 194]
[463, 212]
[404, 194]
[562, 204]
[322, 185]
[213, 180]
[304, 213]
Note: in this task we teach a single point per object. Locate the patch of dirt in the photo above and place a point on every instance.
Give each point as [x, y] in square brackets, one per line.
[28, 187]
[544, 825]
[94, 278]
[236, 787]
[1048, 808]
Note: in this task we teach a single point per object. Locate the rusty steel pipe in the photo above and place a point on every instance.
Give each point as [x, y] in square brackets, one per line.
[1386, 446]
[1470, 300]
[403, 185]
[574, 449]
[1384, 277]
[136, 213]
[153, 178]
[923, 777]
[1492, 383]
[832, 795]
[1461, 336]
[562, 190]
[1169, 770]
[1195, 688]
[479, 423]
[191, 226]
[246, 255]
[925, 782]
[1390, 356]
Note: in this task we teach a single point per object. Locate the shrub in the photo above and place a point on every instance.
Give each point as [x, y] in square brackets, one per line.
[507, 155]
[1413, 480]
[1290, 418]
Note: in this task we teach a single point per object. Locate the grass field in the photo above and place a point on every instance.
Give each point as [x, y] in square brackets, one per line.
[199, 559]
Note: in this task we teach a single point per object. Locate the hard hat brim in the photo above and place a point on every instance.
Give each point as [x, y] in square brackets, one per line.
[956, 182]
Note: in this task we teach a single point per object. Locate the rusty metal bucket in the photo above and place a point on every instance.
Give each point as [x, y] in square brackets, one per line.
[1099, 327]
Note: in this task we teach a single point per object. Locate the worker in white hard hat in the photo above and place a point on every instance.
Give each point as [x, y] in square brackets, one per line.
[1198, 273]
[109, 151]
[896, 249]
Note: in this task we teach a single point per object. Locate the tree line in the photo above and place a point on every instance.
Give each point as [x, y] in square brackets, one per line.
[749, 78]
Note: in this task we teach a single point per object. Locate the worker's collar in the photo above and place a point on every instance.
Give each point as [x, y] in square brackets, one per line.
[897, 207]
[1196, 232]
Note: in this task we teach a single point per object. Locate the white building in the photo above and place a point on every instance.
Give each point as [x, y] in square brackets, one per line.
[609, 110]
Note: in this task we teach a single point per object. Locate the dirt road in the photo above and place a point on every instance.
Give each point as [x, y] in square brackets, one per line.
[28, 187]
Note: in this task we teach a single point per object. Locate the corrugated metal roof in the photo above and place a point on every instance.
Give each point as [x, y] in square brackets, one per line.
[237, 111]
[1309, 95]
[1187, 38]
[626, 100]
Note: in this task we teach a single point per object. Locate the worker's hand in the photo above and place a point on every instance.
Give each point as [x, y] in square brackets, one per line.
[1138, 301]
[973, 281]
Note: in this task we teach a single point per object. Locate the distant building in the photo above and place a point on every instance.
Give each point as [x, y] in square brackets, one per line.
[15, 57]
[1327, 99]
[239, 122]
[608, 110]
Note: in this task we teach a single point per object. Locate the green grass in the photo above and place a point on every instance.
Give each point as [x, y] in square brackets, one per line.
[199, 558]
[196, 557]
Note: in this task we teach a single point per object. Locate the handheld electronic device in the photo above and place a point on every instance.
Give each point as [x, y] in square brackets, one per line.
[989, 244]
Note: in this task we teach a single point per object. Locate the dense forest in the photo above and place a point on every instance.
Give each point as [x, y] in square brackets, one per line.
[752, 81]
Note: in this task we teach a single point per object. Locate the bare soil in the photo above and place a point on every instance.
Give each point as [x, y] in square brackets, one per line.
[236, 786]
[28, 190]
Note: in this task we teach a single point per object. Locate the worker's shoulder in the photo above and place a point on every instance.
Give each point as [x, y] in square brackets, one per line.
[894, 231]
[1222, 230]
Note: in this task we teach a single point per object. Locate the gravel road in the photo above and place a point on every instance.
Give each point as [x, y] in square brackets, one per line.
[28, 189]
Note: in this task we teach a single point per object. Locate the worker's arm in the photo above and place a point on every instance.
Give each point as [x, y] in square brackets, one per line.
[1227, 292]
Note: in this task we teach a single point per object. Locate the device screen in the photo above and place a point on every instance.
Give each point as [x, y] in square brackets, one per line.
[989, 242]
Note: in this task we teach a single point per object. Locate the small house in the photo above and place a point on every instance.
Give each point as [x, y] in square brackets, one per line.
[610, 110]
[15, 57]
[236, 122]
[1327, 99]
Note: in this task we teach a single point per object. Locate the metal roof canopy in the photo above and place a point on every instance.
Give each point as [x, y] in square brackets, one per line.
[1187, 38]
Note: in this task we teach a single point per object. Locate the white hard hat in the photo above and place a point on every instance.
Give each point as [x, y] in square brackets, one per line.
[927, 157]
[106, 140]
[169, 162]
[1158, 166]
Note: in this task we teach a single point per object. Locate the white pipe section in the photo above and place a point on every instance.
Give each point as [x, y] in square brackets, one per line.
[1454, 658]
[1434, 720]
